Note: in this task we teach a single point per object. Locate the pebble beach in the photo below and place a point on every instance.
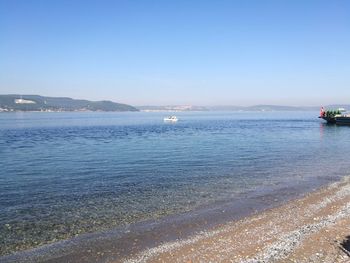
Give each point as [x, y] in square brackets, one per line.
[314, 228]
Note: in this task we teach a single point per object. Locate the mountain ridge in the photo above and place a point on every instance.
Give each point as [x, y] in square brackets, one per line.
[16, 102]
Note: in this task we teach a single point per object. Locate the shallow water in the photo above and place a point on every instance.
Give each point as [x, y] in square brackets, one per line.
[64, 174]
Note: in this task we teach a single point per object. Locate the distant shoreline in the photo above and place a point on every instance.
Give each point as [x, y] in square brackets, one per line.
[51, 111]
[16, 102]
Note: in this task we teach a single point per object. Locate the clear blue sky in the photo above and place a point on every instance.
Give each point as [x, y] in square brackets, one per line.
[143, 52]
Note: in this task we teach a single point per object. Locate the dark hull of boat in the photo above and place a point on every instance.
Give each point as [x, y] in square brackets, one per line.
[337, 120]
[330, 120]
[342, 120]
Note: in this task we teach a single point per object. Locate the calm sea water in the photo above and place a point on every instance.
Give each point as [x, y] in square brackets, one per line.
[64, 174]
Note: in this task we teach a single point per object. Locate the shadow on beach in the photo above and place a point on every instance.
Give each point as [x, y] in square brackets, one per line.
[346, 245]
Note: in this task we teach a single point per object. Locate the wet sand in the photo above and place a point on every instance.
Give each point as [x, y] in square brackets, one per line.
[315, 228]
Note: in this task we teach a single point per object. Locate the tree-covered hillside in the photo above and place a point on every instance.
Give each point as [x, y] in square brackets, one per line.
[39, 103]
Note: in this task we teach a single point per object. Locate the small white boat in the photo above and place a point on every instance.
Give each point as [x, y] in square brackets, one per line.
[171, 119]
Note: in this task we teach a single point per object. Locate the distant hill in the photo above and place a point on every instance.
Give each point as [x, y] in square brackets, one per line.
[15, 102]
[172, 108]
[228, 108]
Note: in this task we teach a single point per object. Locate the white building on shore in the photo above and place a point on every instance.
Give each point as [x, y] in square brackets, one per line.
[22, 101]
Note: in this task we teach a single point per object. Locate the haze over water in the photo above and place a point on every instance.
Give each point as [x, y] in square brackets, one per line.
[64, 174]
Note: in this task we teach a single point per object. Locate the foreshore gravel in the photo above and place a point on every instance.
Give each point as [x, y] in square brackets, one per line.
[314, 228]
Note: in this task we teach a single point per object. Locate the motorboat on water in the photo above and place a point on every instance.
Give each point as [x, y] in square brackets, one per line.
[339, 116]
[171, 119]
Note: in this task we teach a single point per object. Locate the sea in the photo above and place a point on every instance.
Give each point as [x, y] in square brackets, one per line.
[72, 179]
